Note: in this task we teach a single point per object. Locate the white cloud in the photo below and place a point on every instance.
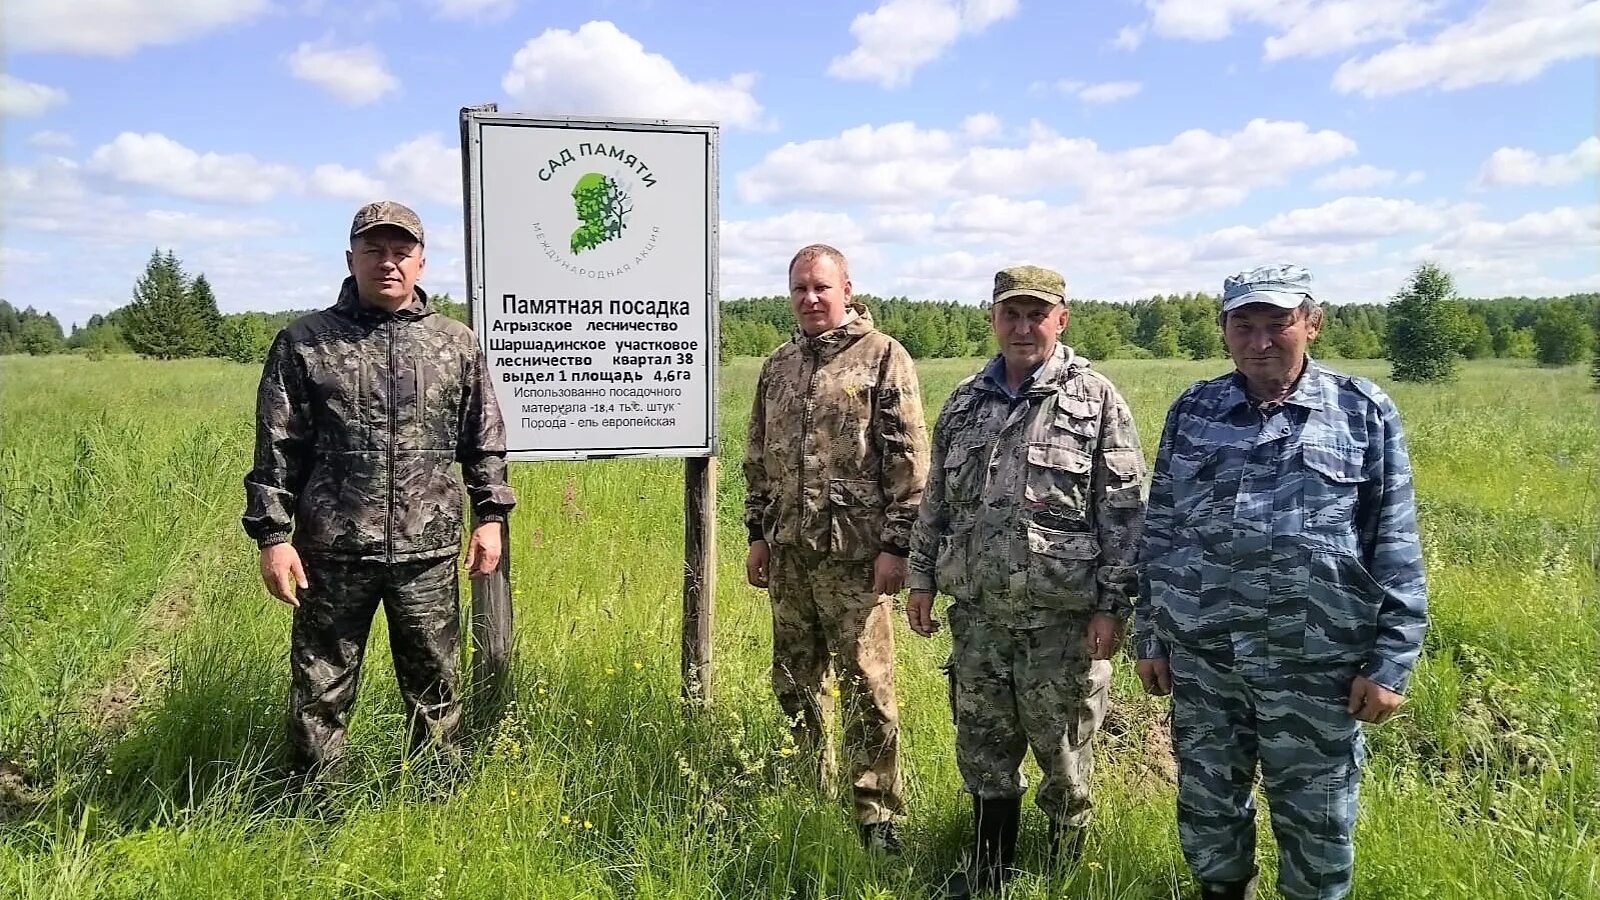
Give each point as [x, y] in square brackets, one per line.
[24, 99]
[476, 10]
[51, 197]
[333, 180]
[981, 126]
[1300, 27]
[599, 70]
[1505, 41]
[116, 27]
[1109, 91]
[424, 167]
[1129, 37]
[51, 140]
[1355, 178]
[156, 161]
[1336, 25]
[755, 253]
[1516, 166]
[886, 163]
[901, 164]
[901, 36]
[1549, 231]
[354, 75]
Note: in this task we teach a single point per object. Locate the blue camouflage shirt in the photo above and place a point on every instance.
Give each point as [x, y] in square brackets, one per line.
[1284, 535]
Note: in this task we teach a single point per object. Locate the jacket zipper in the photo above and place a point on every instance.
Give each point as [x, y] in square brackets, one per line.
[388, 522]
[805, 429]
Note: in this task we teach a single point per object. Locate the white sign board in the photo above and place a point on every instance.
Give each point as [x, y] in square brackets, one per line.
[593, 258]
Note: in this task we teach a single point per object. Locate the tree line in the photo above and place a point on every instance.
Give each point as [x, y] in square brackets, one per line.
[1425, 330]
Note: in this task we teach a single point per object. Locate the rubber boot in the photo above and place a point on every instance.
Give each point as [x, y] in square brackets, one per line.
[1229, 890]
[994, 849]
[1066, 844]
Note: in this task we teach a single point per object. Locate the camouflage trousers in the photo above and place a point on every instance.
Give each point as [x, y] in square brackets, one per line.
[1225, 720]
[1016, 688]
[329, 639]
[829, 627]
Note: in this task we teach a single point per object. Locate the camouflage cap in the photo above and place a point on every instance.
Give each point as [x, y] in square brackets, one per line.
[1030, 281]
[387, 212]
[1285, 286]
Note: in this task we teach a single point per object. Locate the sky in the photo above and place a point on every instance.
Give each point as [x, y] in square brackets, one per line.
[1137, 146]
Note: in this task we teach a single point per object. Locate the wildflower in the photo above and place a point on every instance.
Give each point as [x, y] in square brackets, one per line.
[637, 665]
[566, 820]
[405, 765]
[611, 670]
[786, 751]
[589, 722]
[587, 824]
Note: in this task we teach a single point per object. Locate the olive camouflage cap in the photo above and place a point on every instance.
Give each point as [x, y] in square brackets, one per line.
[1030, 281]
[387, 212]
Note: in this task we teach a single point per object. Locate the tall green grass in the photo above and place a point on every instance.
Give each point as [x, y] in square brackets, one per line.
[122, 557]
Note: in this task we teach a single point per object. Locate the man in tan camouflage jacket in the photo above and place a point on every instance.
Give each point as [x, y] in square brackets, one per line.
[362, 412]
[834, 468]
[1031, 524]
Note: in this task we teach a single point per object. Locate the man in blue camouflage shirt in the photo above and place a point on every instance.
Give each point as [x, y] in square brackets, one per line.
[1281, 599]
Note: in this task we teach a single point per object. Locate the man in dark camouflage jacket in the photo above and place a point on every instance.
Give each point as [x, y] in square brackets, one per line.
[1282, 600]
[362, 412]
[1030, 523]
[833, 468]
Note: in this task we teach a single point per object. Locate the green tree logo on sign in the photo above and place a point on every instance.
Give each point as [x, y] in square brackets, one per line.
[603, 208]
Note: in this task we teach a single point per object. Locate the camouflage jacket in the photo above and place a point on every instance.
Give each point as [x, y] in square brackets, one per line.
[837, 449]
[1285, 536]
[1033, 506]
[360, 418]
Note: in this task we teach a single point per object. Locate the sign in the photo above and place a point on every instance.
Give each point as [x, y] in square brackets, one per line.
[592, 263]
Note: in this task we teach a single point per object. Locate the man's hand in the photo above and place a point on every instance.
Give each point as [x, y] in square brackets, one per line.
[1156, 676]
[483, 551]
[888, 573]
[282, 573]
[1371, 701]
[919, 614]
[1104, 635]
[756, 563]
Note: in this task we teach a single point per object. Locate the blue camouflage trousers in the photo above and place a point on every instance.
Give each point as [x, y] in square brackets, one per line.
[1227, 718]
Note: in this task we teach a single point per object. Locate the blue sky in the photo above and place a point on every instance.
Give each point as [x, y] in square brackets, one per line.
[1139, 146]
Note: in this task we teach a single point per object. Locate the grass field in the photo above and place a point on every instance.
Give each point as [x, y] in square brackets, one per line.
[144, 671]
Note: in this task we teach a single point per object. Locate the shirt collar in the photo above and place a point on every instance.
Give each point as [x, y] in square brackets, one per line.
[994, 373]
[1309, 389]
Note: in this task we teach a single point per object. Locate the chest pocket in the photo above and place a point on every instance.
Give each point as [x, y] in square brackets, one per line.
[1204, 485]
[964, 469]
[1058, 480]
[1078, 420]
[1331, 486]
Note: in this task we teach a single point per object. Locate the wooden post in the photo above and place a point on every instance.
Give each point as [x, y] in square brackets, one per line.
[491, 594]
[699, 574]
[491, 625]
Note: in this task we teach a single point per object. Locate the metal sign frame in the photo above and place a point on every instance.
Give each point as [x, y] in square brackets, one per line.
[474, 122]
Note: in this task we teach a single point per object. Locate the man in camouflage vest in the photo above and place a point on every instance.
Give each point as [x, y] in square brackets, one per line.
[834, 469]
[362, 412]
[1030, 522]
[1282, 600]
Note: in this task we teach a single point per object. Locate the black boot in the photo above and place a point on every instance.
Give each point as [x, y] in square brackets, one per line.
[994, 849]
[1229, 890]
[1066, 844]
